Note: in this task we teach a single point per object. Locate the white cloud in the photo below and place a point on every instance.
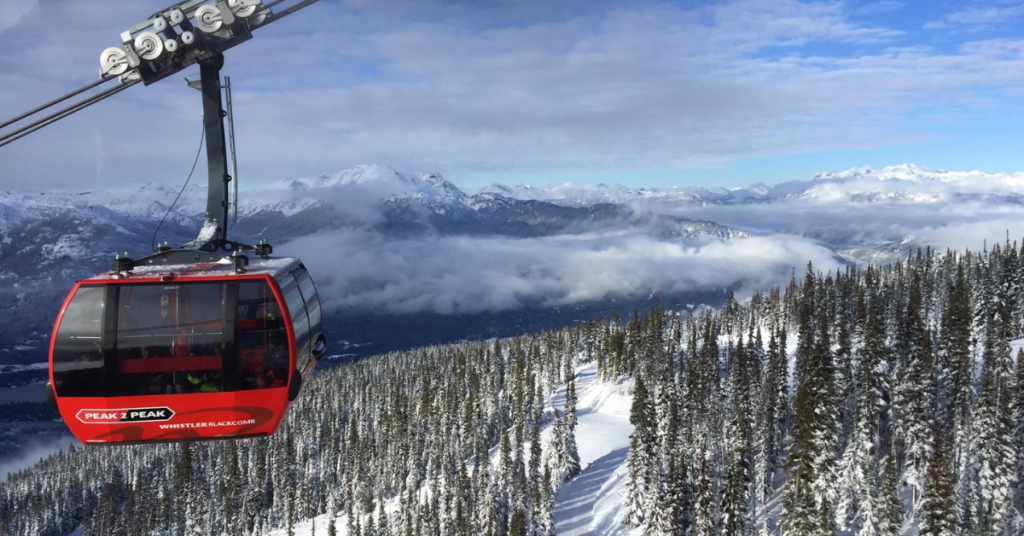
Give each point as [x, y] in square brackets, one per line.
[988, 14]
[457, 274]
[883, 227]
[979, 17]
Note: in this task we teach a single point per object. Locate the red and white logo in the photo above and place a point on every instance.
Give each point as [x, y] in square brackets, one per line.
[112, 416]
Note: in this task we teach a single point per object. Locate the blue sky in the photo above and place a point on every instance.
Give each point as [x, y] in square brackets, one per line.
[642, 93]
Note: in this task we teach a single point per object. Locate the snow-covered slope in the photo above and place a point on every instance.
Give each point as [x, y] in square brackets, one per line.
[590, 503]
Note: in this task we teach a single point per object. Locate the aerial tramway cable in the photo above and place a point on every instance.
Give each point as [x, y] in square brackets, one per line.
[80, 90]
[56, 116]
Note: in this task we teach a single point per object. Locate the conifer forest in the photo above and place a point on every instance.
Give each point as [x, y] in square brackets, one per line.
[876, 401]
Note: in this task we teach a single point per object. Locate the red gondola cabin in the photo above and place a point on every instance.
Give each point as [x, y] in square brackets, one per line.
[184, 352]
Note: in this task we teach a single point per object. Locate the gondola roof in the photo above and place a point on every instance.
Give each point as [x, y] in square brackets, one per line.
[223, 267]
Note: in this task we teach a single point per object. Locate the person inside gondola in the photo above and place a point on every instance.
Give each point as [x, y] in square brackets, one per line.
[273, 370]
[93, 355]
[202, 383]
[265, 378]
[165, 310]
[275, 360]
[158, 384]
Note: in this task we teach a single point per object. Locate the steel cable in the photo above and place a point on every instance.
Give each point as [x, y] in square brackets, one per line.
[52, 118]
[34, 111]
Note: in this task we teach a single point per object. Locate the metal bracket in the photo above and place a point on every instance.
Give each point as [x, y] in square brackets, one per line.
[207, 253]
[240, 260]
[122, 264]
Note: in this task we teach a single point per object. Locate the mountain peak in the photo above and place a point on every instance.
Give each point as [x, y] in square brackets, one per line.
[759, 188]
[441, 187]
[291, 185]
[905, 172]
[362, 174]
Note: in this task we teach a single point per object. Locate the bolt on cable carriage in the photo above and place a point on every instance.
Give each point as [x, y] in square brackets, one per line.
[195, 342]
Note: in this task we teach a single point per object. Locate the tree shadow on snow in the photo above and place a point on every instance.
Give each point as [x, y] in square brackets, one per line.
[574, 503]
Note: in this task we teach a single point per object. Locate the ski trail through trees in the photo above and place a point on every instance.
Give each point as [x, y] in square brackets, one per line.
[591, 502]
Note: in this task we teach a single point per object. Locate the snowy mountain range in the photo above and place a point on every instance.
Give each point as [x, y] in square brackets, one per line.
[906, 183]
[447, 235]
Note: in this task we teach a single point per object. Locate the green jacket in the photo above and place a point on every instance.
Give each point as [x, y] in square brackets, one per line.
[204, 387]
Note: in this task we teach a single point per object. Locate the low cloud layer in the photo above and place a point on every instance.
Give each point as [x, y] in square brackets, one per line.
[941, 225]
[433, 258]
[456, 274]
[31, 453]
[640, 254]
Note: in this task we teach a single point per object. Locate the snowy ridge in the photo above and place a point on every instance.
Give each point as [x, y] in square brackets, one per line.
[374, 183]
[573, 194]
[289, 196]
[905, 183]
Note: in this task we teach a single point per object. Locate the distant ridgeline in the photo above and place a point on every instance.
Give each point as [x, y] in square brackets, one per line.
[886, 402]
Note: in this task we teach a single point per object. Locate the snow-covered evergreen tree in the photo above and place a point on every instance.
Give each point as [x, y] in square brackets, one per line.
[858, 468]
[736, 484]
[810, 489]
[938, 509]
[890, 509]
[1018, 441]
[995, 454]
[705, 521]
[571, 462]
[917, 407]
[642, 457]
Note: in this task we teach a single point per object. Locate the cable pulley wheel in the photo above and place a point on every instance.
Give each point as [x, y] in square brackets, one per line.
[149, 46]
[208, 19]
[159, 24]
[187, 38]
[113, 61]
[177, 17]
[171, 45]
[260, 17]
[244, 8]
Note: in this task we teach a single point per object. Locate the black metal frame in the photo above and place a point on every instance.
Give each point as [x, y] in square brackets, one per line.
[216, 149]
[217, 204]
